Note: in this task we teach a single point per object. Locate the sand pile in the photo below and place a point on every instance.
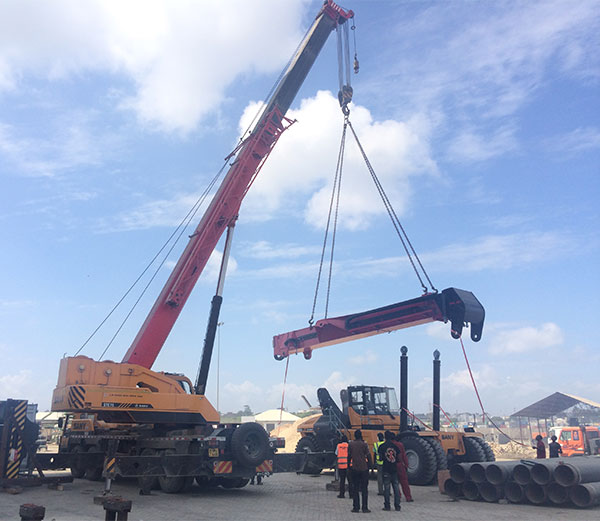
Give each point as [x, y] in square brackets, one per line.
[512, 450]
[290, 433]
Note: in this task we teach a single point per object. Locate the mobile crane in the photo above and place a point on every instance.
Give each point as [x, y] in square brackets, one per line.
[126, 409]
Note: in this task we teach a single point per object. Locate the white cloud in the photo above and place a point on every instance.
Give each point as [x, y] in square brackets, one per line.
[578, 140]
[16, 385]
[369, 357]
[459, 381]
[526, 339]
[473, 146]
[267, 250]
[298, 176]
[499, 251]
[179, 57]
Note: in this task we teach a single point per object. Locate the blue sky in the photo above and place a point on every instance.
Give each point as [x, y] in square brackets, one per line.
[482, 120]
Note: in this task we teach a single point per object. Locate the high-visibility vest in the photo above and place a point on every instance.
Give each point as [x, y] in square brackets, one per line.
[376, 445]
[342, 455]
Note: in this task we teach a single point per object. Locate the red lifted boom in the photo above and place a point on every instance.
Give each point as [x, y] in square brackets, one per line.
[223, 209]
[455, 305]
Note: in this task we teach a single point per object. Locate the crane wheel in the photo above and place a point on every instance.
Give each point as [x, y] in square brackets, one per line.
[148, 483]
[309, 444]
[250, 444]
[171, 485]
[422, 462]
[93, 473]
[487, 450]
[77, 467]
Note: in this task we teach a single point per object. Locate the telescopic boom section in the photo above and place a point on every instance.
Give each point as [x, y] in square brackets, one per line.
[224, 207]
[457, 306]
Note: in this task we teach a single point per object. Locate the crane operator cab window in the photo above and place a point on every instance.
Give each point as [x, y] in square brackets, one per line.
[373, 400]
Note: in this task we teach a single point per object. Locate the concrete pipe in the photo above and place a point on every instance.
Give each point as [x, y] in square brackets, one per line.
[477, 471]
[514, 492]
[557, 494]
[536, 494]
[453, 489]
[578, 470]
[542, 471]
[522, 472]
[470, 490]
[499, 472]
[459, 472]
[586, 494]
[490, 493]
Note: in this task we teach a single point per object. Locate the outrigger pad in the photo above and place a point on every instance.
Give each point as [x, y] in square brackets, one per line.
[461, 307]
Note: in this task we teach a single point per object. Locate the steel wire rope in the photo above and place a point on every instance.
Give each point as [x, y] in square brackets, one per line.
[395, 220]
[331, 201]
[191, 213]
[181, 227]
[483, 412]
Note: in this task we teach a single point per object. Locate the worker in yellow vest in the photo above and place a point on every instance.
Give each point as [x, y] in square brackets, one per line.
[341, 451]
[379, 463]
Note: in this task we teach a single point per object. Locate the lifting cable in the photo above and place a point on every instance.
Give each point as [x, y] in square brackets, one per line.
[484, 414]
[176, 235]
[394, 218]
[335, 197]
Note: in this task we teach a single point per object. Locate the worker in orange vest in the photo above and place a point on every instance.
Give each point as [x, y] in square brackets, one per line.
[341, 451]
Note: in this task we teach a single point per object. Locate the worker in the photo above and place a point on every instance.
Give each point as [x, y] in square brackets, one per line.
[378, 463]
[554, 448]
[540, 447]
[389, 454]
[359, 460]
[341, 452]
[403, 469]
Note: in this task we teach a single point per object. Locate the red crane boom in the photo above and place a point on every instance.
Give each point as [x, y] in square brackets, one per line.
[224, 207]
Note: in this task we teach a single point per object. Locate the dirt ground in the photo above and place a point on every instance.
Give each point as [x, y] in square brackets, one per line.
[283, 496]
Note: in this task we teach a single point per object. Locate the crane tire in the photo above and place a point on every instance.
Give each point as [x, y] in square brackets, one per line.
[77, 468]
[93, 473]
[250, 444]
[422, 462]
[171, 484]
[148, 482]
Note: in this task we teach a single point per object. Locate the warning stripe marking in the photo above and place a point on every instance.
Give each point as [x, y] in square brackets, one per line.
[16, 443]
[265, 466]
[110, 465]
[223, 467]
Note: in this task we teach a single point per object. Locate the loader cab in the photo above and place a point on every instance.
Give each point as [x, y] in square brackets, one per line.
[367, 400]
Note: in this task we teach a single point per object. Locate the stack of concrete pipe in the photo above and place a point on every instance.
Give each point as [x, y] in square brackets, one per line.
[550, 481]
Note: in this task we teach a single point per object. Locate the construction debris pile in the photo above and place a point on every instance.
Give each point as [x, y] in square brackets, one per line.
[290, 433]
[512, 450]
[539, 482]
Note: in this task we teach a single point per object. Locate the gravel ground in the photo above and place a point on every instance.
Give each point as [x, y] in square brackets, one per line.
[286, 497]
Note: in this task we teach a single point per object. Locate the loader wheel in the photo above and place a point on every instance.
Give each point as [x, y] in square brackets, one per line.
[440, 455]
[250, 444]
[205, 482]
[171, 485]
[487, 450]
[148, 483]
[77, 467]
[93, 473]
[422, 463]
[473, 451]
[309, 444]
